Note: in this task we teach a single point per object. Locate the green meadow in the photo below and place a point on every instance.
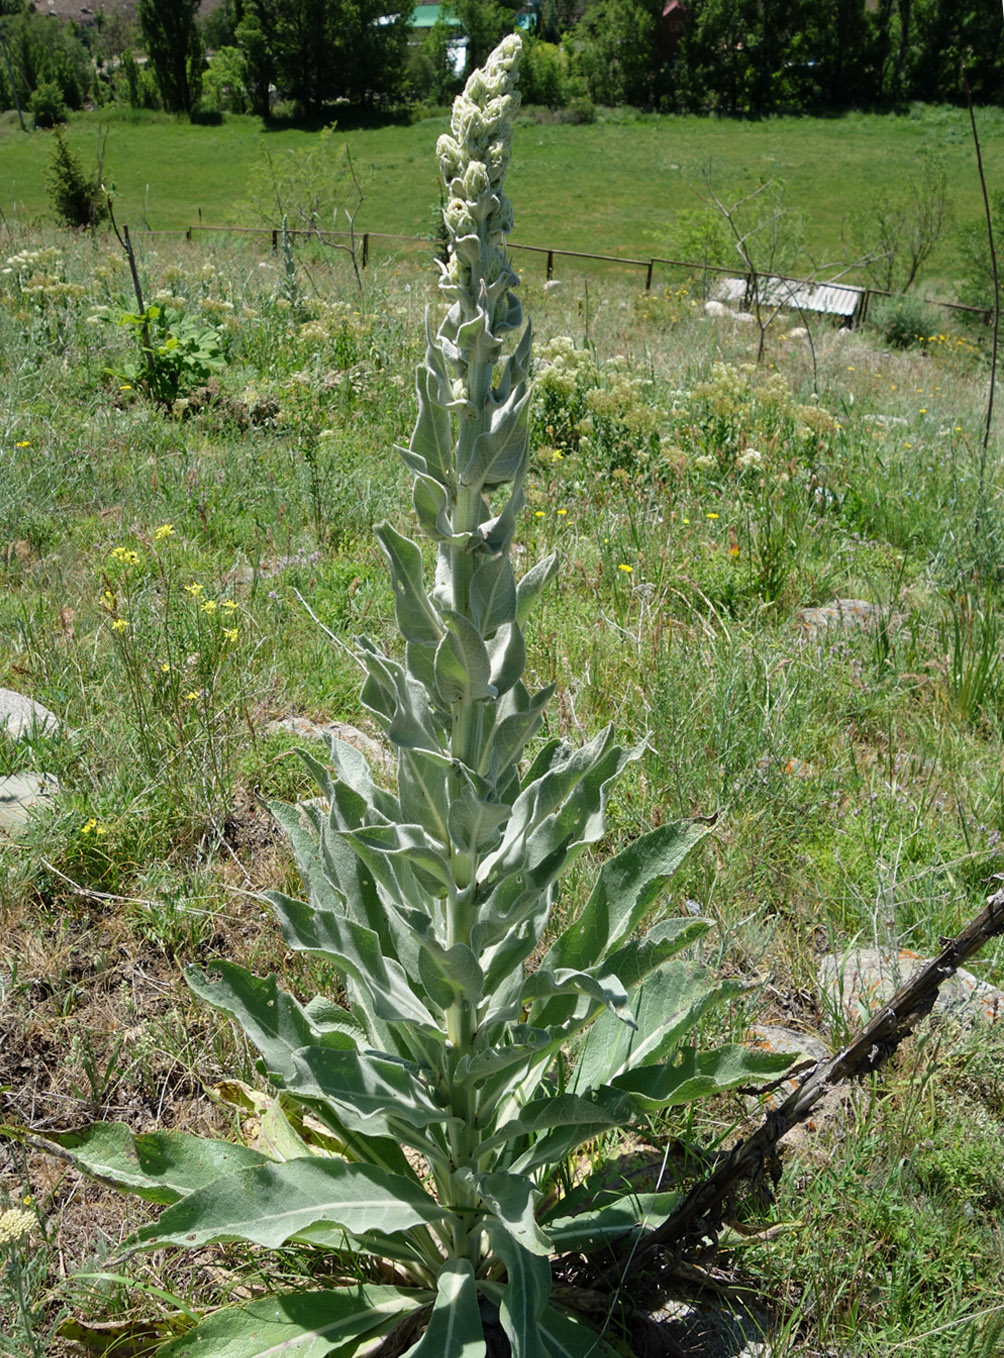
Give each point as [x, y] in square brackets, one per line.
[613, 186]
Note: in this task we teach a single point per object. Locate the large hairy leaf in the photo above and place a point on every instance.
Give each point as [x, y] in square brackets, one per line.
[699, 1074]
[666, 1008]
[523, 1299]
[268, 1204]
[454, 1329]
[368, 1092]
[417, 619]
[157, 1166]
[295, 1324]
[276, 1023]
[625, 889]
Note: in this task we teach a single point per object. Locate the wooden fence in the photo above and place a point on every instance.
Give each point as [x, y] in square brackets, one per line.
[361, 246]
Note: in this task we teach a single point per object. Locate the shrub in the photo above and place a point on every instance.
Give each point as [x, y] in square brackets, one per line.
[76, 197]
[904, 322]
[47, 105]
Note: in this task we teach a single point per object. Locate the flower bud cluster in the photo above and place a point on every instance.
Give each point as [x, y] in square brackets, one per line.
[473, 159]
[15, 1224]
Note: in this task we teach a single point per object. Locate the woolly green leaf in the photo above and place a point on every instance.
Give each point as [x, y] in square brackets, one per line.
[432, 439]
[524, 1298]
[513, 1199]
[423, 785]
[462, 666]
[304, 1324]
[624, 891]
[614, 1222]
[356, 950]
[271, 1019]
[493, 594]
[531, 585]
[514, 728]
[507, 650]
[605, 1109]
[368, 1092]
[271, 1203]
[385, 842]
[417, 620]
[432, 506]
[474, 824]
[500, 452]
[666, 1007]
[525, 1044]
[639, 957]
[605, 990]
[697, 1075]
[157, 1166]
[454, 1329]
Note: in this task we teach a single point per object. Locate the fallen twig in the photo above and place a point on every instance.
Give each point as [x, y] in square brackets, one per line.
[700, 1213]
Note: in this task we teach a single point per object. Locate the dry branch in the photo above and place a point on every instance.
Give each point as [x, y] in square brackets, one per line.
[700, 1213]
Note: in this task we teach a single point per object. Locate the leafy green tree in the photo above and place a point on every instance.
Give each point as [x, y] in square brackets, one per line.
[174, 46]
[34, 51]
[485, 23]
[617, 51]
[714, 59]
[316, 51]
[256, 42]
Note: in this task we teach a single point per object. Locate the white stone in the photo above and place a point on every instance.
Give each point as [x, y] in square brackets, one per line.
[376, 753]
[21, 794]
[21, 716]
[862, 982]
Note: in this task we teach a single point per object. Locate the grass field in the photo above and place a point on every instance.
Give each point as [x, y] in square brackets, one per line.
[159, 569]
[609, 187]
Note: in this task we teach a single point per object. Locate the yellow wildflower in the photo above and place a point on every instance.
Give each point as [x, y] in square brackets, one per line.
[166, 530]
[194, 589]
[119, 625]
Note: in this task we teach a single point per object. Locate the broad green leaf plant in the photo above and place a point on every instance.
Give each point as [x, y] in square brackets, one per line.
[421, 1132]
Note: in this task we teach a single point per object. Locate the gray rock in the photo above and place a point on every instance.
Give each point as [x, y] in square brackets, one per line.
[863, 981]
[377, 754]
[21, 716]
[839, 613]
[22, 794]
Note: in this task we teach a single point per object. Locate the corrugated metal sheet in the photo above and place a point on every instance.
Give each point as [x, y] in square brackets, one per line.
[831, 299]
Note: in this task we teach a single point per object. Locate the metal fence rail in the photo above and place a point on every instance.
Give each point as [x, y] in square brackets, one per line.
[361, 243]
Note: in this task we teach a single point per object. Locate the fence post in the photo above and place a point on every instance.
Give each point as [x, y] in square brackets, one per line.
[648, 275]
[188, 234]
[366, 248]
[550, 265]
[275, 241]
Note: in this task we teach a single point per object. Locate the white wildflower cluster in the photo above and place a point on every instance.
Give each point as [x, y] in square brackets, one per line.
[15, 1224]
[27, 262]
[473, 159]
[164, 297]
[36, 274]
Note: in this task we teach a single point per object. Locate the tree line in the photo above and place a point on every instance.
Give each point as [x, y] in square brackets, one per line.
[749, 58]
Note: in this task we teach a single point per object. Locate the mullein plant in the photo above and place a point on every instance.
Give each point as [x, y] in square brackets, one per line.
[423, 1122]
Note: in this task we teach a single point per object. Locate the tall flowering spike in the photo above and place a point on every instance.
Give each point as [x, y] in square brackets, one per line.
[473, 160]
